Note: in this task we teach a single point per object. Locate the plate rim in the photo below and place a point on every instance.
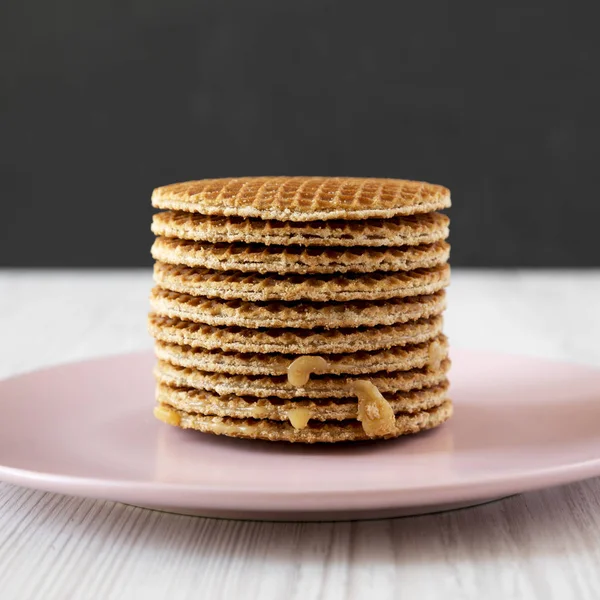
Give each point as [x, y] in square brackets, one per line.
[281, 501]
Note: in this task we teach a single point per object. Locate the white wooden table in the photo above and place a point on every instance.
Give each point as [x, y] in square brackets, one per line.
[539, 545]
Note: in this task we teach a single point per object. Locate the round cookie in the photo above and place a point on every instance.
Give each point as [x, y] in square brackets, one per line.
[258, 258]
[292, 341]
[398, 358]
[303, 198]
[315, 431]
[301, 315]
[198, 281]
[326, 409]
[411, 230]
[320, 386]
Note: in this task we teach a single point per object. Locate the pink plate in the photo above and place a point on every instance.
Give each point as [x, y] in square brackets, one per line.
[87, 429]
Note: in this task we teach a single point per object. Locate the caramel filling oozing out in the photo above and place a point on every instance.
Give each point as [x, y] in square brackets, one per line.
[300, 370]
[299, 417]
[167, 415]
[299, 373]
[374, 411]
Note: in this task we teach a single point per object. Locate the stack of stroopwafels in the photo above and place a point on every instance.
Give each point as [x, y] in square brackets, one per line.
[301, 309]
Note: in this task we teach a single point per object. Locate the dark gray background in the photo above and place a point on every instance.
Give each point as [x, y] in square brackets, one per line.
[102, 101]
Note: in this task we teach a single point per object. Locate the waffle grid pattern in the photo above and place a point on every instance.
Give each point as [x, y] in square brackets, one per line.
[303, 198]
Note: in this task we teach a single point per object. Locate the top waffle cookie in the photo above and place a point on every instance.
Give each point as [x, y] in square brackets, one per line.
[303, 198]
